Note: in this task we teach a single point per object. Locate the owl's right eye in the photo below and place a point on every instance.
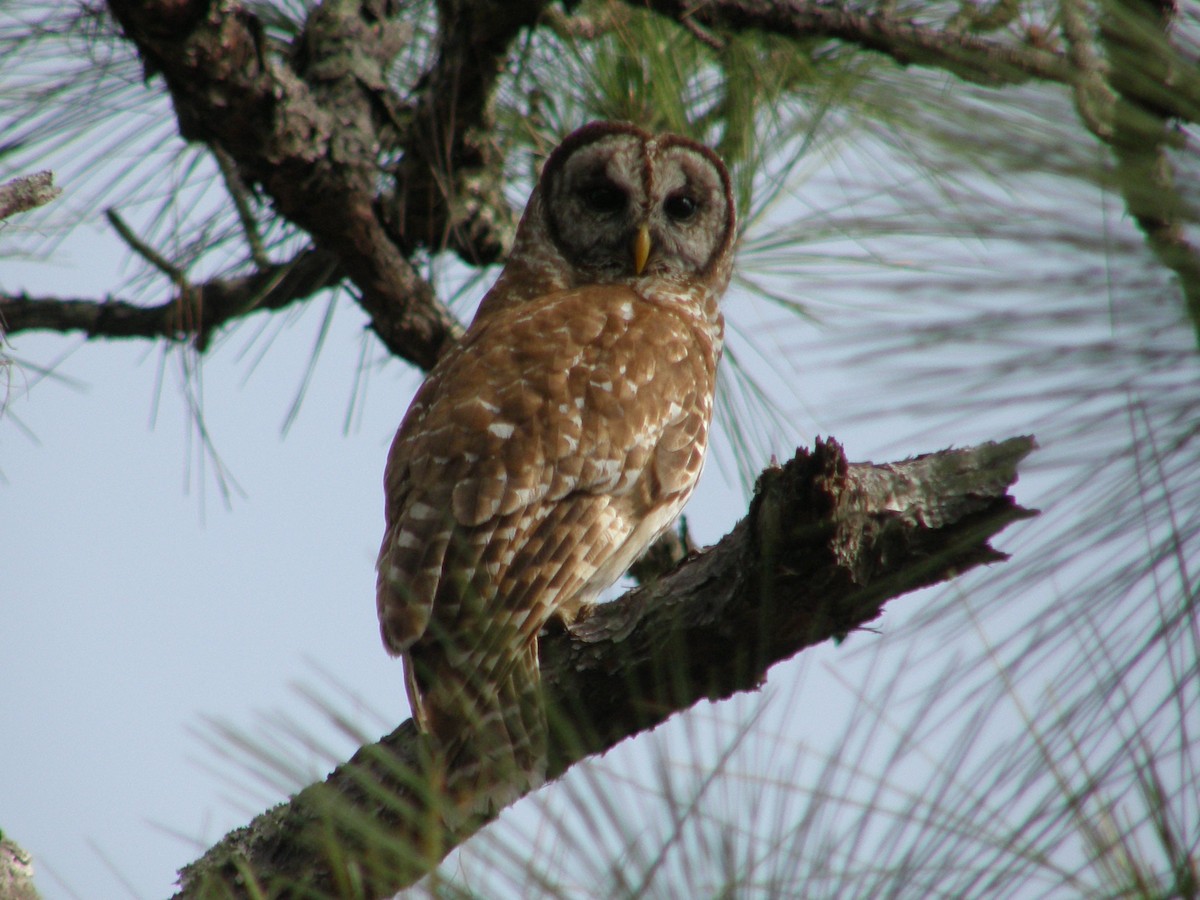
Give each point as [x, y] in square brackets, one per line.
[603, 198]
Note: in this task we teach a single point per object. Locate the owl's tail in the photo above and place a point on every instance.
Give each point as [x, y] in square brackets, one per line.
[488, 723]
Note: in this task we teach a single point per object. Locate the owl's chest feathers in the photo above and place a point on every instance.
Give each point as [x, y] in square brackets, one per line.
[594, 376]
[601, 345]
[693, 304]
[591, 320]
[576, 391]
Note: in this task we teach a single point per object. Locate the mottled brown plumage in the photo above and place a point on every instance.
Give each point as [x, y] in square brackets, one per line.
[556, 441]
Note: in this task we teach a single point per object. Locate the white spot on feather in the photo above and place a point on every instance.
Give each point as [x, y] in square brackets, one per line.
[422, 512]
[407, 541]
[609, 468]
[524, 495]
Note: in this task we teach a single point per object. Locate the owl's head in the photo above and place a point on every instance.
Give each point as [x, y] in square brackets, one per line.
[616, 205]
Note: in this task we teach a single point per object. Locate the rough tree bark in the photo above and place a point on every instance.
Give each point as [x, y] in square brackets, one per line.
[16, 872]
[824, 546]
[21, 194]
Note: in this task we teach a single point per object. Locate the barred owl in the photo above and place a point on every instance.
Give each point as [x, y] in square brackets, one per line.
[556, 441]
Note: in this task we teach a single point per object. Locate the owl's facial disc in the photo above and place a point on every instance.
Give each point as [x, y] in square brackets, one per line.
[619, 204]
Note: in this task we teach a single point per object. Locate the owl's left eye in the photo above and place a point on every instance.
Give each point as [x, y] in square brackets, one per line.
[680, 207]
[604, 198]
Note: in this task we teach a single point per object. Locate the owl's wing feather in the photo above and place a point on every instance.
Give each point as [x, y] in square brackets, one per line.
[531, 455]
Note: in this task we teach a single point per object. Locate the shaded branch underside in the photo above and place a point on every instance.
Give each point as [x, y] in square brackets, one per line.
[824, 547]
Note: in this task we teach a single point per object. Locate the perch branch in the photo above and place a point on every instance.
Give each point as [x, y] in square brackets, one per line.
[824, 547]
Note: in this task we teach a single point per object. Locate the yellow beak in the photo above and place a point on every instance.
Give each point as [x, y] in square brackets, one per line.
[641, 249]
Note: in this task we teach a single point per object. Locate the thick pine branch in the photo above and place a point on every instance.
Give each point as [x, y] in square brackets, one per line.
[824, 547]
[307, 129]
[449, 185]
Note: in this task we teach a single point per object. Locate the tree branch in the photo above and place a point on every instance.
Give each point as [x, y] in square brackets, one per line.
[16, 872]
[317, 160]
[26, 193]
[824, 547]
[1094, 98]
[1127, 99]
[971, 57]
[449, 185]
[1142, 64]
[196, 310]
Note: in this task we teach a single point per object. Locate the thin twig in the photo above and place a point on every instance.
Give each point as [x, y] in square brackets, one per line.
[144, 250]
[241, 197]
[1094, 98]
[702, 34]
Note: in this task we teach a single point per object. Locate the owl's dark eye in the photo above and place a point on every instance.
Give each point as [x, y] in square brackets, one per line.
[680, 207]
[603, 198]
